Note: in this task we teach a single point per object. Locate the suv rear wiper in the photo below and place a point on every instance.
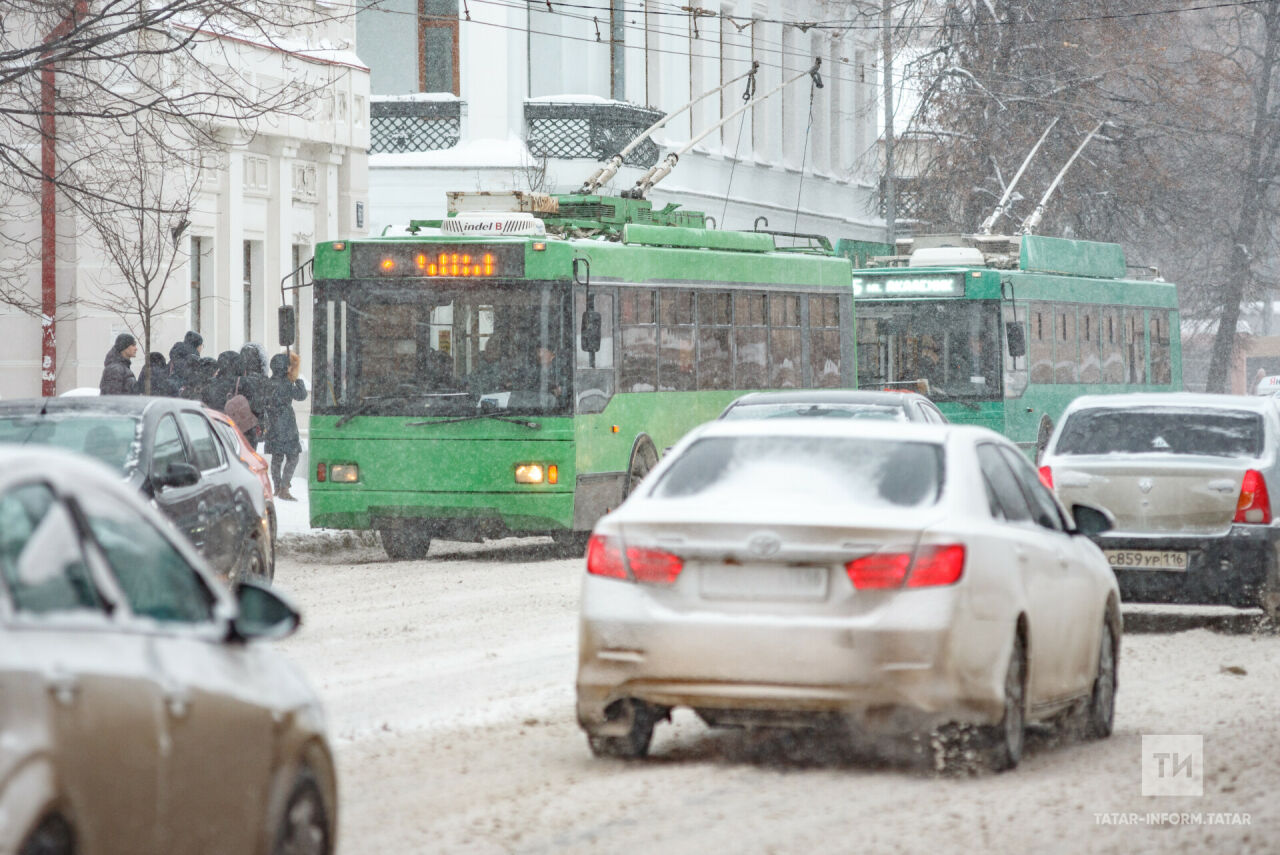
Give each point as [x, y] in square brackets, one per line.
[369, 402]
[522, 422]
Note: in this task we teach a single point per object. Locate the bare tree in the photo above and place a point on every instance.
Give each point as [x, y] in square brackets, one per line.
[141, 235]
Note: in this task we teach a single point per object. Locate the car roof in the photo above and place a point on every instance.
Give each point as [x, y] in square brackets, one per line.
[121, 405]
[1197, 400]
[828, 396]
[842, 428]
[19, 462]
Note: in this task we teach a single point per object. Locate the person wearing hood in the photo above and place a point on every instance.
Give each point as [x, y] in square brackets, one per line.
[181, 357]
[157, 371]
[199, 378]
[283, 443]
[193, 340]
[253, 385]
[117, 374]
[224, 379]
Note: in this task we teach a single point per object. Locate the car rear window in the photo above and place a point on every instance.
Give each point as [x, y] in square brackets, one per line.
[806, 469]
[1166, 430]
[838, 411]
[108, 438]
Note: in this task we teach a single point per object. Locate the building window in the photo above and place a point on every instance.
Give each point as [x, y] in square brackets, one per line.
[438, 46]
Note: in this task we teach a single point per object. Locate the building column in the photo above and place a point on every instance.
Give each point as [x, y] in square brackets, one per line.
[280, 226]
[228, 249]
[331, 222]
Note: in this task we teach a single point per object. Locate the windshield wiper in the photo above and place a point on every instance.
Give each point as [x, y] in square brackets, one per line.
[371, 401]
[522, 422]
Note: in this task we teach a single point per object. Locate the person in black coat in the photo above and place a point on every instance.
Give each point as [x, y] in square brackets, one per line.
[182, 357]
[224, 380]
[157, 371]
[283, 442]
[117, 375]
[253, 385]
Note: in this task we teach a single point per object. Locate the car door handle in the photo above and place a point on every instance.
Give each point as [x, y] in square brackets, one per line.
[64, 688]
[178, 702]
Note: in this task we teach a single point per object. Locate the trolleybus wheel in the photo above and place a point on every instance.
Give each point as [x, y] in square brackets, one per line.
[643, 458]
[405, 544]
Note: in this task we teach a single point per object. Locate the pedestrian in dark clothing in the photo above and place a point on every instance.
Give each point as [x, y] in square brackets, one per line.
[117, 375]
[194, 339]
[181, 357]
[157, 371]
[224, 379]
[253, 385]
[283, 443]
[199, 377]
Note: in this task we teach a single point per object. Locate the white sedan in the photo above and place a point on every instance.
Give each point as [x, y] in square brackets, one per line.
[873, 578]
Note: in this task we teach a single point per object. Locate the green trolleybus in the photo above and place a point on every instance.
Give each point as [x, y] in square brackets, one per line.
[518, 366]
[1005, 331]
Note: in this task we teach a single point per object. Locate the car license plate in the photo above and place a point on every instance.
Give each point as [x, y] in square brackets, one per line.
[1146, 559]
[762, 582]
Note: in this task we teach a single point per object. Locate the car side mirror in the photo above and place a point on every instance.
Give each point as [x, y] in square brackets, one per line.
[1015, 338]
[262, 613]
[176, 475]
[1092, 520]
[288, 323]
[591, 326]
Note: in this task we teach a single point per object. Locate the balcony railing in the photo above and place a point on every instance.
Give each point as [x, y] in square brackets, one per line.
[400, 124]
[588, 129]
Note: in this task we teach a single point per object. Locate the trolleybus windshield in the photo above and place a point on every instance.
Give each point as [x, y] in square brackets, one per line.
[953, 344]
[443, 348]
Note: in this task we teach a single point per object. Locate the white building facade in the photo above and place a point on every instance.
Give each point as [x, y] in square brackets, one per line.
[493, 96]
[268, 196]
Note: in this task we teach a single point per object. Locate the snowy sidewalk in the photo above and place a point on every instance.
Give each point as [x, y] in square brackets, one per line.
[294, 533]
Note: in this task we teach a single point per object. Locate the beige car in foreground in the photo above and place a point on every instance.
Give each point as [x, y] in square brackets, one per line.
[879, 578]
[140, 710]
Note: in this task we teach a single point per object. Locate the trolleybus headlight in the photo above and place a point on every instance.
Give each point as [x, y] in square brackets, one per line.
[347, 473]
[529, 473]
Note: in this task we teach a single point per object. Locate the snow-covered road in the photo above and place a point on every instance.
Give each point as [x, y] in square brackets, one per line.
[449, 689]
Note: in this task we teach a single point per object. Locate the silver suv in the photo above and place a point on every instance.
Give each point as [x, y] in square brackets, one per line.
[1188, 478]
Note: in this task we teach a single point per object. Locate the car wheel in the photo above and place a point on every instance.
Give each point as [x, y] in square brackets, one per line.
[405, 544]
[1101, 711]
[254, 564]
[53, 836]
[304, 827]
[1005, 740]
[635, 743]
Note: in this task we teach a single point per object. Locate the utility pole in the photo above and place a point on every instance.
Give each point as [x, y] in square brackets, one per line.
[890, 195]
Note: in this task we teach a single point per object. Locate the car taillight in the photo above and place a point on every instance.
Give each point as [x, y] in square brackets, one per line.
[937, 565]
[882, 570]
[1254, 505]
[932, 566]
[322, 472]
[654, 566]
[1046, 476]
[604, 557]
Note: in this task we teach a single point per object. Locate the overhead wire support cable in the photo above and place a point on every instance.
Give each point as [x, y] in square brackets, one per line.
[605, 173]
[660, 171]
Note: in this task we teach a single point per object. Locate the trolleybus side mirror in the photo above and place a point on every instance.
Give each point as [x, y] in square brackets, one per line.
[1014, 336]
[288, 326]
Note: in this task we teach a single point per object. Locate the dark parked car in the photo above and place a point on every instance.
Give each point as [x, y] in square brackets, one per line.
[143, 710]
[836, 403]
[169, 451]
